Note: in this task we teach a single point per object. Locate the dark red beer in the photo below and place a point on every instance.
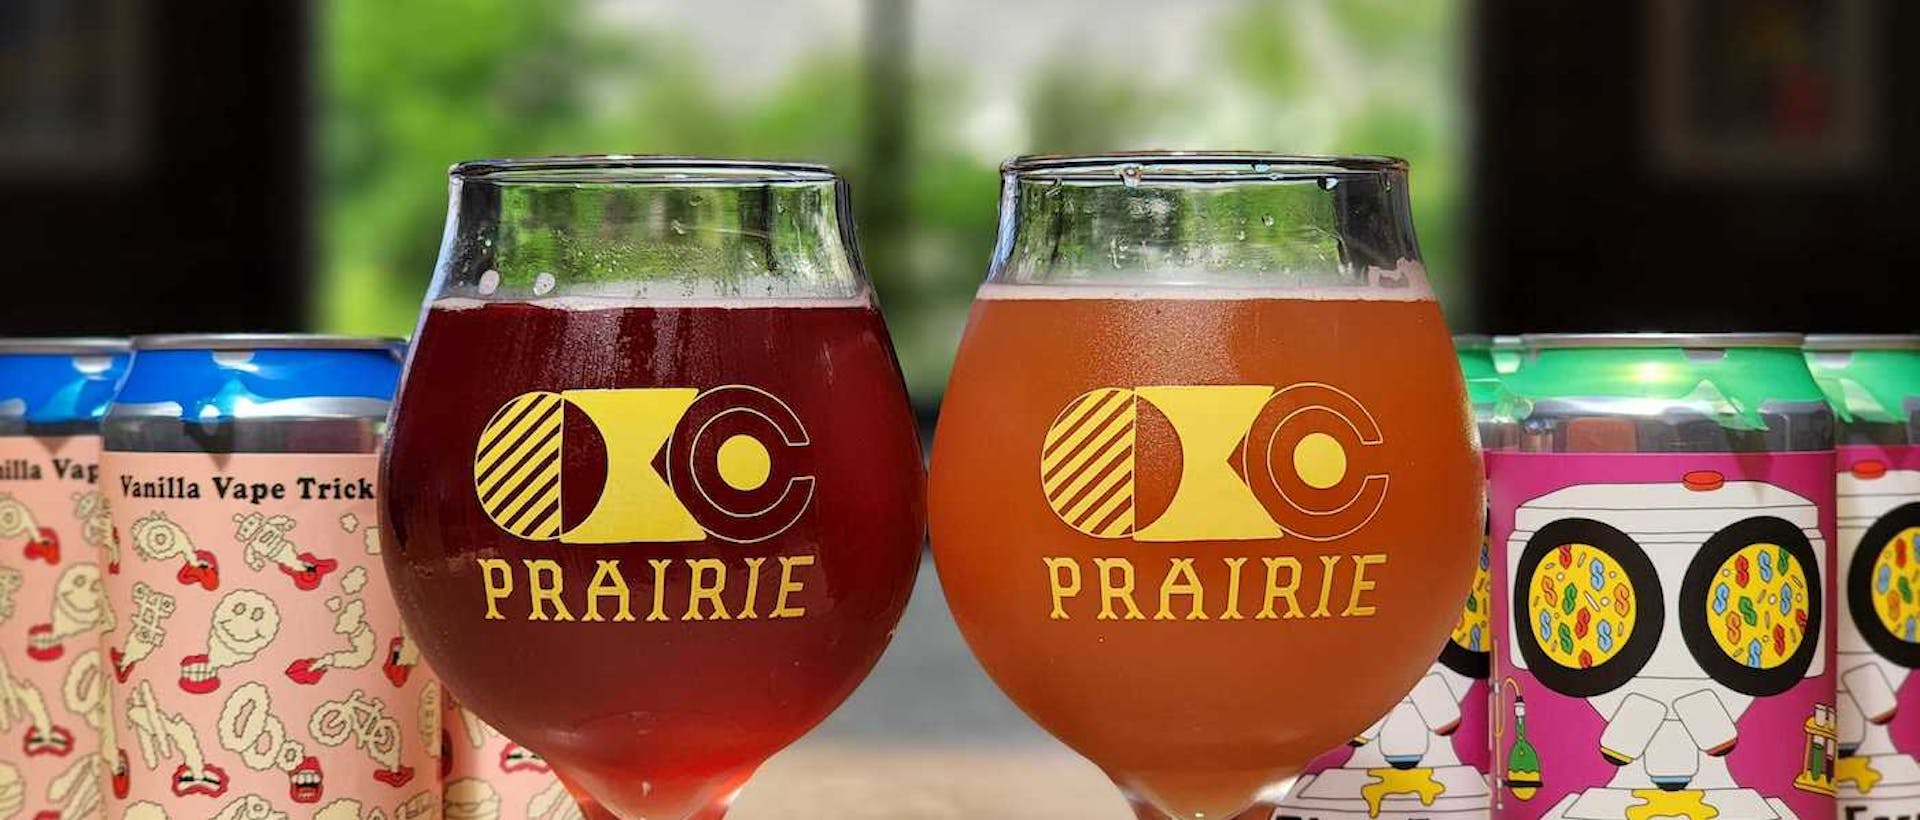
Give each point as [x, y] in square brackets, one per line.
[735, 642]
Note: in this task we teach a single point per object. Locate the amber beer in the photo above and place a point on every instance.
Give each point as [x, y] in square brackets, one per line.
[1202, 535]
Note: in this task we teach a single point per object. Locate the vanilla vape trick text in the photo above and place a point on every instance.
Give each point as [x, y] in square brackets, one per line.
[232, 488]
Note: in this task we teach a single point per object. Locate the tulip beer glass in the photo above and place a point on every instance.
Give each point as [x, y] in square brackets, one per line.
[1205, 496]
[653, 488]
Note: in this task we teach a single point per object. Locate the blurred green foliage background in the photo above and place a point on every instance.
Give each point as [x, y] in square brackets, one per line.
[918, 125]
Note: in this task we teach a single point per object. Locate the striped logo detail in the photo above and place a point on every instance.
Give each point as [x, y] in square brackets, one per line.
[516, 468]
[1086, 463]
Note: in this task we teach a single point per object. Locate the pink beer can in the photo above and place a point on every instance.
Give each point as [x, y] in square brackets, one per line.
[53, 529]
[489, 777]
[259, 667]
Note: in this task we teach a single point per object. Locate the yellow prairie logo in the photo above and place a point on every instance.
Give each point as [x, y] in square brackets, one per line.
[1254, 463]
[730, 464]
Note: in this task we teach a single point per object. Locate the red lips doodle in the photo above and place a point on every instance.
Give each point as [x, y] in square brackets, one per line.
[308, 580]
[396, 671]
[213, 783]
[189, 670]
[121, 669]
[203, 571]
[57, 742]
[395, 777]
[41, 645]
[46, 547]
[306, 783]
[516, 758]
[122, 776]
[303, 673]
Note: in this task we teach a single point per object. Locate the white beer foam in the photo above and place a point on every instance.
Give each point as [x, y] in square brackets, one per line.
[586, 303]
[1404, 283]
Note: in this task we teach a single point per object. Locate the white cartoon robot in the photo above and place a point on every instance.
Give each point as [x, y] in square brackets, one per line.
[266, 542]
[1880, 633]
[1404, 765]
[1594, 570]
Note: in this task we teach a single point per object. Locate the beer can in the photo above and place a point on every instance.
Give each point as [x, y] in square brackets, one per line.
[1873, 384]
[492, 778]
[54, 531]
[1427, 757]
[1662, 539]
[260, 669]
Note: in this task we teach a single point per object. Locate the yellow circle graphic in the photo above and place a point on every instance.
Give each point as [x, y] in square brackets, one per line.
[1582, 606]
[1896, 582]
[1758, 604]
[1470, 632]
[744, 462]
[1319, 460]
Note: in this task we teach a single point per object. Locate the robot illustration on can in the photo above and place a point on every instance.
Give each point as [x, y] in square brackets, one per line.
[1880, 638]
[1671, 608]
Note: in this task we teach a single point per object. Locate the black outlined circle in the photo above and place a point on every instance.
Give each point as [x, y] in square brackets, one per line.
[1697, 622]
[1642, 578]
[1860, 586]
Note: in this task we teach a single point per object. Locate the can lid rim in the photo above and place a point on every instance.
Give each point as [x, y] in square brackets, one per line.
[1840, 342]
[63, 345]
[263, 341]
[1695, 341]
[1472, 341]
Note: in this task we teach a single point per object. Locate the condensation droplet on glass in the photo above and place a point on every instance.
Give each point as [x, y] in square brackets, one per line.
[1240, 236]
[1113, 252]
[489, 282]
[1261, 167]
[543, 284]
[1130, 175]
[678, 229]
[1267, 220]
[1329, 183]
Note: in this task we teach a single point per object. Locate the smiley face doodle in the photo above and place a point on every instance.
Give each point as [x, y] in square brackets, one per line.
[245, 621]
[21, 700]
[265, 539]
[147, 630]
[164, 735]
[78, 604]
[157, 539]
[16, 521]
